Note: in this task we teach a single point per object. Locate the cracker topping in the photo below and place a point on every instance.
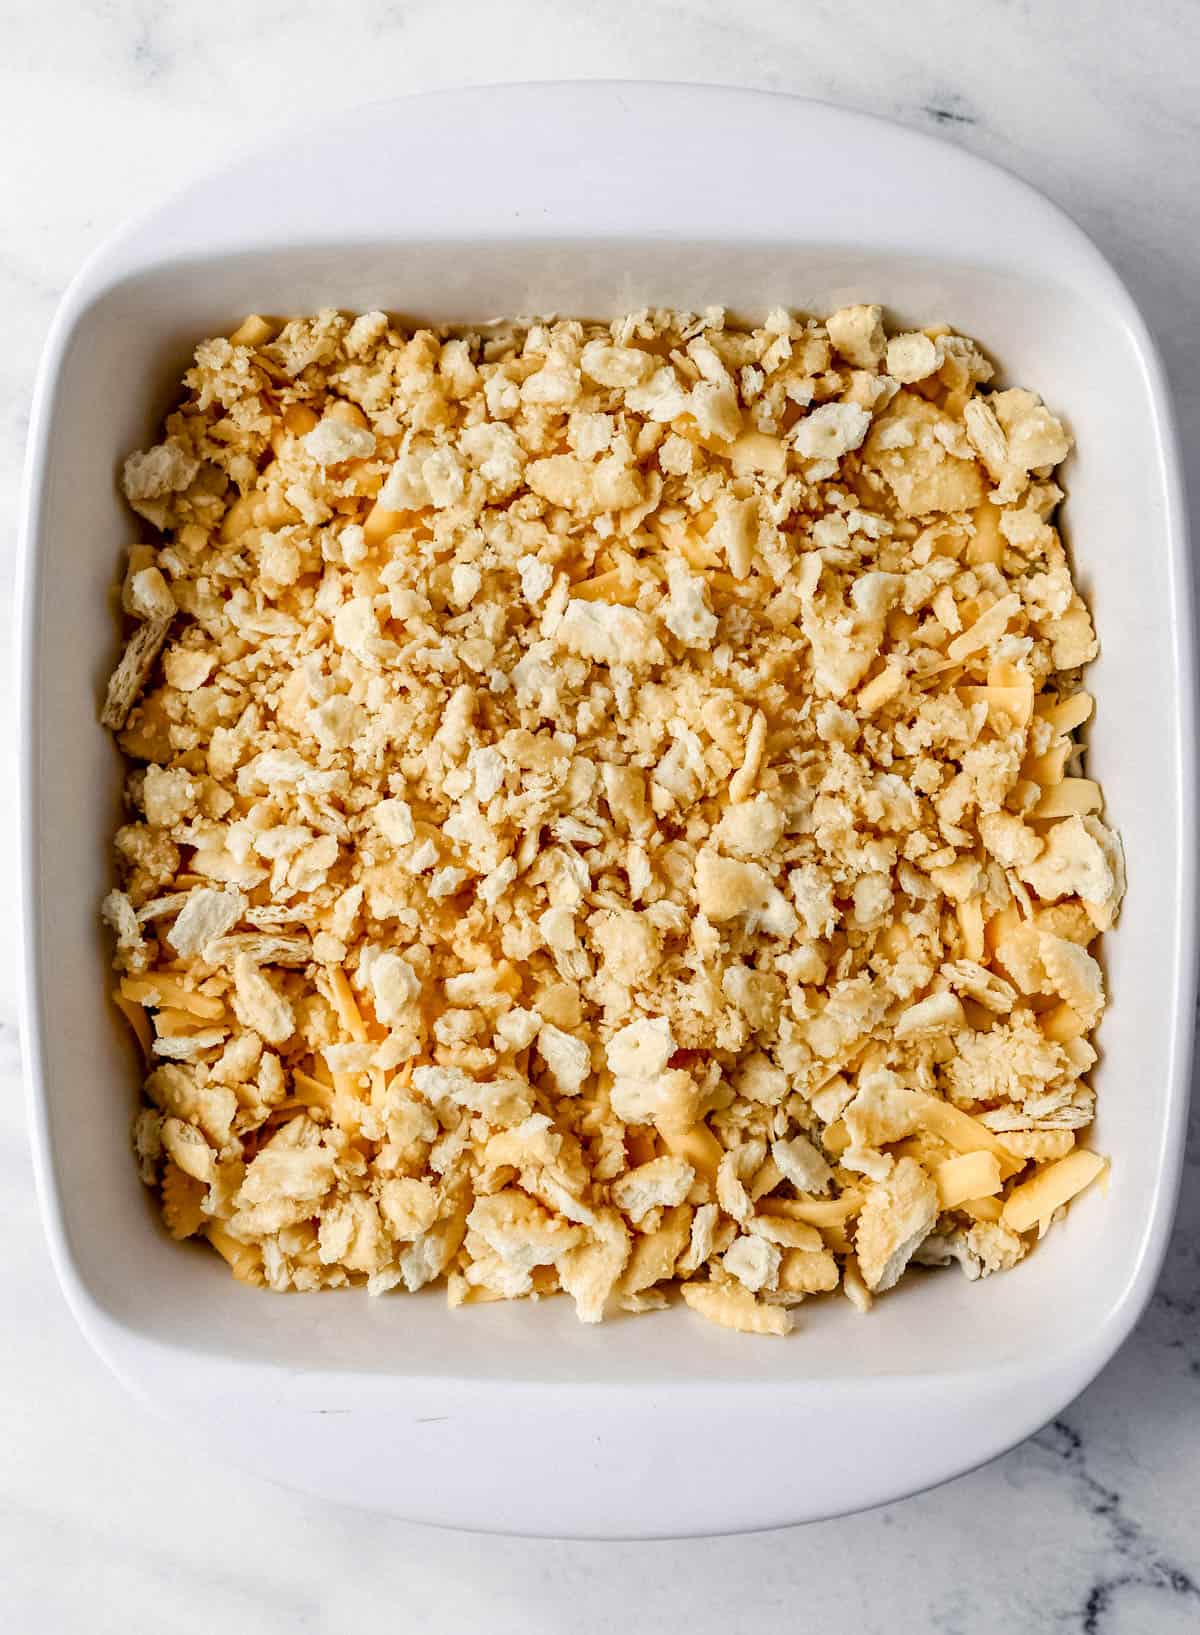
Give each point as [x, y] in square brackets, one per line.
[605, 812]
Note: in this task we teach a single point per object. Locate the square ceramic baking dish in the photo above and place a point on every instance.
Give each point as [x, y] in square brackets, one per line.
[589, 199]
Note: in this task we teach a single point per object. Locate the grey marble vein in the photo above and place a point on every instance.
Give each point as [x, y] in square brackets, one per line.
[105, 1525]
[1135, 1561]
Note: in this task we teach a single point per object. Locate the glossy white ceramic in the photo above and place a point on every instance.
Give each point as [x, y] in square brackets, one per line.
[589, 199]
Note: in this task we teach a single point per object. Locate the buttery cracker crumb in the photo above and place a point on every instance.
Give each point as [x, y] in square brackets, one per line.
[603, 810]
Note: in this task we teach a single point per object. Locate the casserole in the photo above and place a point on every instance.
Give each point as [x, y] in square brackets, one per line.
[592, 199]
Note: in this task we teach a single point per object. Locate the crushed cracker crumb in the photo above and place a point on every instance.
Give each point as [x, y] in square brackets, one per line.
[604, 814]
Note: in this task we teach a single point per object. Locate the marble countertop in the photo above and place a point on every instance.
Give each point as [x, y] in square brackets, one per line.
[104, 1524]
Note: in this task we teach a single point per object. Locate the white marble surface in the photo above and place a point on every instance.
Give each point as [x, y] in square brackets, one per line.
[103, 1525]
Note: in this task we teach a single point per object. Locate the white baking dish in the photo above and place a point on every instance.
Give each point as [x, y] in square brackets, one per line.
[590, 198]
